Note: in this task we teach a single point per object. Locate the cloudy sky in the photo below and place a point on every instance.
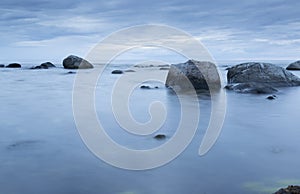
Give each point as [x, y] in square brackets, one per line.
[42, 30]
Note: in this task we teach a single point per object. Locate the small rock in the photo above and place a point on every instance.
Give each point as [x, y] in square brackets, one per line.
[272, 97]
[1, 65]
[165, 65]
[13, 65]
[145, 87]
[289, 190]
[45, 65]
[164, 68]
[117, 72]
[160, 136]
[156, 87]
[71, 72]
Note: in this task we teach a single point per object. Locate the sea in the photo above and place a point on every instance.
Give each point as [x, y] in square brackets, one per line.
[42, 150]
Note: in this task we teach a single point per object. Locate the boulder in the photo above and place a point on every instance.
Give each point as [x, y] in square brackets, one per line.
[259, 78]
[2, 65]
[294, 66]
[198, 73]
[74, 62]
[13, 65]
[45, 65]
[289, 190]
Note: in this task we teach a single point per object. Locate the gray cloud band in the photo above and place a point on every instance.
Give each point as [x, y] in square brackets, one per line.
[93, 133]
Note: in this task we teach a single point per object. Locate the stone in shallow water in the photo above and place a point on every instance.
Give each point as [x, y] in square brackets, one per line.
[160, 136]
[272, 97]
[117, 72]
[145, 87]
[14, 65]
[45, 65]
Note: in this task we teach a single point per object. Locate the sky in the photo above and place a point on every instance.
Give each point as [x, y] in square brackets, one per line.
[43, 30]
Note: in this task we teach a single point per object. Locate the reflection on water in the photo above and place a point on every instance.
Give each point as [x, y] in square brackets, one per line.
[41, 150]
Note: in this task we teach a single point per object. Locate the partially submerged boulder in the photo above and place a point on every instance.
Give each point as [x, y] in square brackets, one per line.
[14, 65]
[75, 62]
[45, 65]
[199, 73]
[259, 78]
[294, 66]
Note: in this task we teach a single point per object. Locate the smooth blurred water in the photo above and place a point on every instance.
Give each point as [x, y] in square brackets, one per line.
[41, 151]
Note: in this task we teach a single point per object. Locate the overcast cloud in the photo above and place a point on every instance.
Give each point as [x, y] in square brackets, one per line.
[40, 30]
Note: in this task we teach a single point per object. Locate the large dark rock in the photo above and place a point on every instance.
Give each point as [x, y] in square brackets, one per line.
[13, 65]
[45, 65]
[294, 66]
[199, 74]
[289, 190]
[259, 78]
[74, 62]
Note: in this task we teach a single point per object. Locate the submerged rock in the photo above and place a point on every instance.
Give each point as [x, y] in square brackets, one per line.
[289, 190]
[199, 73]
[71, 72]
[272, 97]
[45, 65]
[129, 71]
[160, 136]
[294, 66]
[145, 87]
[22, 144]
[164, 68]
[117, 72]
[75, 62]
[261, 78]
[14, 65]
